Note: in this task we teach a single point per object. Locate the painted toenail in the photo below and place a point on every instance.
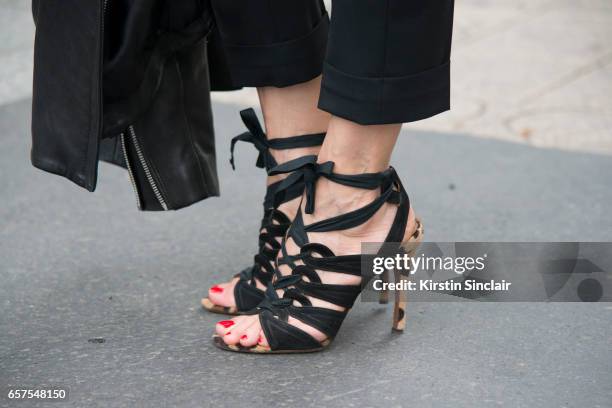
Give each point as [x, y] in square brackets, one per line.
[259, 340]
[244, 336]
[226, 323]
[228, 333]
[216, 289]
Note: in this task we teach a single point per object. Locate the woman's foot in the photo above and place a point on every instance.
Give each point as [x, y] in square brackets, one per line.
[332, 199]
[290, 110]
[223, 294]
[246, 289]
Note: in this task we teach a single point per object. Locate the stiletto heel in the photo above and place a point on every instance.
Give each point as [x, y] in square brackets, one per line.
[274, 224]
[399, 307]
[383, 298]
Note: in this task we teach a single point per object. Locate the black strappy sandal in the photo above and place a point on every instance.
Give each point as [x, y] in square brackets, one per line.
[274, 311]
[274, 223]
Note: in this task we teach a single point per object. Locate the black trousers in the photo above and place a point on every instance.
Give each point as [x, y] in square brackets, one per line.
[383, 61]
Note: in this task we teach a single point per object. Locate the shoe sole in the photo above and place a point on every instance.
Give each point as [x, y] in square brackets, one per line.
[224, 310]
[238, 348]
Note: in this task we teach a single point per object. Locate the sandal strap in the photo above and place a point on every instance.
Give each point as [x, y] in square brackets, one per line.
[326, 320]
[275, 197]
[306, 170]
[283, 336]
[339, 295]
[257, 137]
[246, 295]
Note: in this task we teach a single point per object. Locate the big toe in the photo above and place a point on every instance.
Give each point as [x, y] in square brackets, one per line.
[233, 334]
[224, 326]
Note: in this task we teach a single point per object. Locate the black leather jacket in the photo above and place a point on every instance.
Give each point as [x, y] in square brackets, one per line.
[127, 81]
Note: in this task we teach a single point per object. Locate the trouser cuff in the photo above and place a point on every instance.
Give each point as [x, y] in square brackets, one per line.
[384, 100]
[280, 64]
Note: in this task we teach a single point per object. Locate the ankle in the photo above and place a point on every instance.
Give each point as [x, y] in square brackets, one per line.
[334, 199]
[357, 149]
[285, 155]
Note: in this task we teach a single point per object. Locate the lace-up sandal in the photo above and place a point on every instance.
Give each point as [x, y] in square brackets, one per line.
[274, 223]
[304, 282]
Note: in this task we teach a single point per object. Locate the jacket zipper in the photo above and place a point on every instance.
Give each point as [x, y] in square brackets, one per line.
[136, 144]
[130, 172]
[145, 168]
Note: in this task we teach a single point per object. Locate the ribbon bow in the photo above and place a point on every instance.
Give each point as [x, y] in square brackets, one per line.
[255, 136]
[304, 169]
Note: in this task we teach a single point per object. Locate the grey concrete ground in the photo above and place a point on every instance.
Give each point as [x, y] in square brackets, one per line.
[77, 266]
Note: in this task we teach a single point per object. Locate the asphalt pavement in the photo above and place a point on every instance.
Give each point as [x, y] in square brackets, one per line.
[104, 299]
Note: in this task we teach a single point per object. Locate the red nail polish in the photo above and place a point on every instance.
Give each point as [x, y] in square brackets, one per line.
[226, 323]
[259, 340]
[216, 289]
[244, 336]
[228, 333]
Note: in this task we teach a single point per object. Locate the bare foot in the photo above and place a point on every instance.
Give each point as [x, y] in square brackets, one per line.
[222, 294]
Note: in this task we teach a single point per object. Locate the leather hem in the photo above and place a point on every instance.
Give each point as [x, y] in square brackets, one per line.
[52, 166]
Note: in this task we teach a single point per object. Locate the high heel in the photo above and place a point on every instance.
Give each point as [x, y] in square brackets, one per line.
[410, 248]
[399, 306]
[274, 223]
[304, 282]
[383, 296]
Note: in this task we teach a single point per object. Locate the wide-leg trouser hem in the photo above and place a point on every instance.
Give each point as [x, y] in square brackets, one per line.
[280, 64]
[385, 100]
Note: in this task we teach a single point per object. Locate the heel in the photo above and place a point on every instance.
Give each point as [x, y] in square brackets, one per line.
[410, 246]
[399, 307]
[384, 293]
